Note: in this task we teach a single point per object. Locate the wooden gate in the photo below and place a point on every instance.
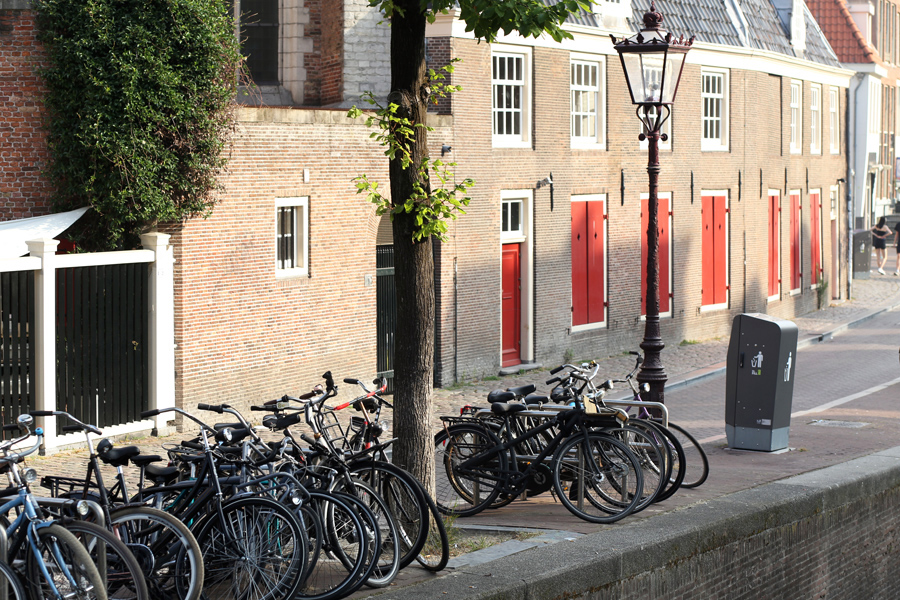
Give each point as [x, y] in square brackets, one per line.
[16, 347]
[386, 308]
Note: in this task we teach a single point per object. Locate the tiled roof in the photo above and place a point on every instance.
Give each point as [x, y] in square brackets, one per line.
[845, 37]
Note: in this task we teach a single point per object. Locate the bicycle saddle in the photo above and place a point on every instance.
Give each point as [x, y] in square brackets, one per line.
[523, 390]
[502, 408]
[117, 457]
[500, 396]
[537, 399]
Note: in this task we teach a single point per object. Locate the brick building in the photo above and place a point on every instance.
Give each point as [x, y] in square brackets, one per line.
[279, 284]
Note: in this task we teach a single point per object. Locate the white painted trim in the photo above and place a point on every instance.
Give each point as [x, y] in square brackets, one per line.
[25, 263]
[834, 148]
[814, 149]
[722, 145]
[96, 259]
[774, 298]
[44, 338]
[600, 324]
[526, 266]
[798, 147]
[796, 292]
[713, 307]
[599, 141]
[303, 226]
[77, 439]
[161, 386]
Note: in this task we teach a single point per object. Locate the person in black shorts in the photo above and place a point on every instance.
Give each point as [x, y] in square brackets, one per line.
[879, 241]
[897, 242]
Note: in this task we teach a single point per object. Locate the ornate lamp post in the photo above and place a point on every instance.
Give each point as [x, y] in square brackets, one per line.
[653, 60]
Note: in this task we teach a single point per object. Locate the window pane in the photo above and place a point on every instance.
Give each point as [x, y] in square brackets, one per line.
[514, 221]
[504, 217]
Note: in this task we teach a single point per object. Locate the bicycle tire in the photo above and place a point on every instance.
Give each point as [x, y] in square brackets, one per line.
[58, 545]
[257, 552]
[466, 494]
[677, 453]
[123, 575]
[372, 543]
[174, 567]
[328, 578]
[696, 461]
[653, 456]
[10, 585]
[403, 494]
[435, 554]
[606, 492]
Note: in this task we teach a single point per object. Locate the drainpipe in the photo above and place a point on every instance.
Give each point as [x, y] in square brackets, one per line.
[851, 189]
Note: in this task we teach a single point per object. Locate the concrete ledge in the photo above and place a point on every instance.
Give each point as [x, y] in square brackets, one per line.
[15, 5]
[576, 568]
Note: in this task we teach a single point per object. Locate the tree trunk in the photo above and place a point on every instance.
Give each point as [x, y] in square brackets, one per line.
[413, 262]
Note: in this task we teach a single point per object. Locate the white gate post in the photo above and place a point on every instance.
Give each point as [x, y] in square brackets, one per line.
[162, 326]
[44, 338]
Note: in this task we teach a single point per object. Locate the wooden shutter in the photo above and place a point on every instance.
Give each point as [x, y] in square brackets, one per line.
[579, 263]
[596, 262]
[708, 290]
[773, 245]
[796, 274]
[815, 237]
[720, 243]
[665, 275]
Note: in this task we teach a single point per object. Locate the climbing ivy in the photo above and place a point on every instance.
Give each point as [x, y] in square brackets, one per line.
[140, 97]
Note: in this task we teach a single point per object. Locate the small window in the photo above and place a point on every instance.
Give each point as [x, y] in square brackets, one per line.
[588, 103]
[510, 99]
[796, 119]
[815, 119]
[292, 236]
[511, 219]
[714, 95]
[834, 122]
[258, 37]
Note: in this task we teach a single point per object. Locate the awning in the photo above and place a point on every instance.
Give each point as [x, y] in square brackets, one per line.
[15, 234]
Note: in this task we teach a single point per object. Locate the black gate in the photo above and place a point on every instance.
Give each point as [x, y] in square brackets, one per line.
[16, 349]
[102, 330]
[386, 307]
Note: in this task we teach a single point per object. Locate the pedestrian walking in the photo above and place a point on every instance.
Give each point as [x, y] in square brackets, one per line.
[897, 243]
[879, 241]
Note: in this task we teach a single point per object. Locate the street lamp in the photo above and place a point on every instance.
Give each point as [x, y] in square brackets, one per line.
[652, 60]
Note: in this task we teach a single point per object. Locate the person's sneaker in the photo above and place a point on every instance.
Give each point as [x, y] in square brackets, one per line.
[881, 271]
[897, 272]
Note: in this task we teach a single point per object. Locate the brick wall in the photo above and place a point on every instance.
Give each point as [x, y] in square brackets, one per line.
[758, 159]
[324, 82]
[24, 191]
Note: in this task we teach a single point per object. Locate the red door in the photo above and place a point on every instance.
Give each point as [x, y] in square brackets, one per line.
[512, 309]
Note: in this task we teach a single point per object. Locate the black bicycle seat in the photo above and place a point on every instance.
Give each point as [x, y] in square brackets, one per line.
[536, 399]
[119, 457]
[502, 408]
[523, 390]
[500, 396]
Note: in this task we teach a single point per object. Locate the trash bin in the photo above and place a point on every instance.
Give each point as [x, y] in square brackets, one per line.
[759, 380]
[862, 253]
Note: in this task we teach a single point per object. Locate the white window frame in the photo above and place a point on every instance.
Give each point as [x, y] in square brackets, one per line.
[834, 120]
[523, 138]
[597, 139]
[666, 129]
[601, 324]
[719, 143]
[512, 235]
[796, 108]
[815, 119]
[301, 246]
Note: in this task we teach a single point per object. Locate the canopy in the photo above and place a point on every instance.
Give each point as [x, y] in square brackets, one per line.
[15, 234]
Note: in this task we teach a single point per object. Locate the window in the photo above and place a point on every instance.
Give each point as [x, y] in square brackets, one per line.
[664, 222]
[259, 38]
[588, 261]
[834, 121]
[714, 94]
[511, 119]
[815, 237]
[511, 221]
[588, 103]
[714, 293]
[774, 245]
[796, 250]
[815, 119]
[796, 118]
[292, 236]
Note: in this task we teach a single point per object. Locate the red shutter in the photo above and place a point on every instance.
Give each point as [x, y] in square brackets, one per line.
[720, 243]
[773, 245]
[708, 249]
[816, 206]
[596, 262]
[579, 264]
[645, 218]
[665, 207]
[795, 241]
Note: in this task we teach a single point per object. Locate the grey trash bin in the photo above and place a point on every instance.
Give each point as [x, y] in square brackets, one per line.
[759, 379]
[862, 253]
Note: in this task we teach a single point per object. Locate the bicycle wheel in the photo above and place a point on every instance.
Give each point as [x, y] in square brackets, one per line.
[68, 566]
[403, 495]
[166, 549]
[435, 554]
[123, 575]
[598, 479]
[465, 493]
[653, 456]
[10, 585]
[676, 452]
[697, 464]
[371, 543]
[328, 577]
[257, 550]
